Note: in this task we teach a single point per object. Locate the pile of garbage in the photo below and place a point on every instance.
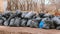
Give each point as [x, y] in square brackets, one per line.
[30, 19]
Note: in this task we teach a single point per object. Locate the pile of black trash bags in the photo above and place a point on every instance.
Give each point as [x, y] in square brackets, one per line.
[30, 19]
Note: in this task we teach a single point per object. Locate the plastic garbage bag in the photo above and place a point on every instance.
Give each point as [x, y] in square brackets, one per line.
[18, 13]
[12, 22]
[58, 28]
[56, 20]
[49, 24]
[34, 24]
[23, 14]
[23, 22]
[42, 15]
[30, 15]
[17, 21]
[41, 24]
[6, 23]
[28, 23]
[1, 21]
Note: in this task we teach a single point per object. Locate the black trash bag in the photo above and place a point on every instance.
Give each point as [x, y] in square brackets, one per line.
[58, 27]
[1, 21]
[49, 15]
[45, 26]
[49, 24]
[7, 15]
[12, 21]
[56, 20]
[6, 23]
[34, 24]
[30, 15]
[17, 22]
[0, 15]
[42, 15]
[4, 18]
[23, 22]
[58, 17]
[23, 14]
[18, 13]
[38, 19]
[28, 23]
[12, 16]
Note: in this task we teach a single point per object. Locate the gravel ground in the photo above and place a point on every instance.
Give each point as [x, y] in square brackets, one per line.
[26, 30]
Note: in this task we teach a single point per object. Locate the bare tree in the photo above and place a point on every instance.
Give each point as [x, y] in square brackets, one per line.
[42, 4]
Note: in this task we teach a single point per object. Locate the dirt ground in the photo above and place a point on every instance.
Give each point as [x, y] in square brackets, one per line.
[26, 30]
